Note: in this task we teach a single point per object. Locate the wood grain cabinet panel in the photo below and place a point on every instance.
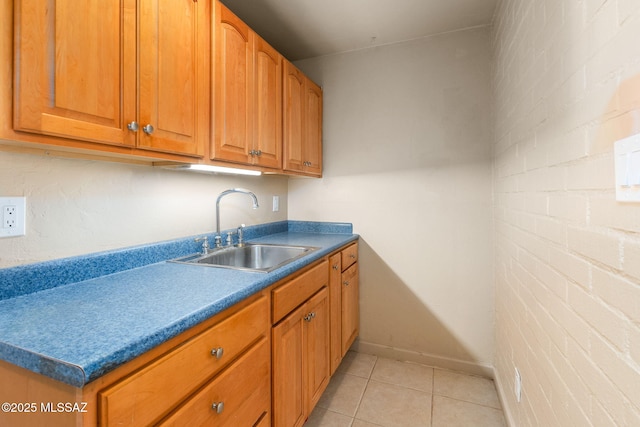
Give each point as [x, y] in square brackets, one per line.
[296, 291]
[344, 302]
[300, 361]
[88, 70]
[267, 139]
[239, 396]
[150, 393]
[302, 123]
[75, 69]
[350, 313]
[289, 370]
[317, 323]
[335, 304]
[248, 95]
[174, 75]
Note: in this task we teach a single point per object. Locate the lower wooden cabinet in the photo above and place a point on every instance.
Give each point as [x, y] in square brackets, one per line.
[300, 360]
[344, 299]
[350, 313]
[300, 343]
[149, 394]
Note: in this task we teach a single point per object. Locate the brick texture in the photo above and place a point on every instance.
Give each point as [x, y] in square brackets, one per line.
[566, 84]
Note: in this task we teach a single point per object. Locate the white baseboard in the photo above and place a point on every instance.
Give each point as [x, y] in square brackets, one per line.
[503, 401]
[472, 368]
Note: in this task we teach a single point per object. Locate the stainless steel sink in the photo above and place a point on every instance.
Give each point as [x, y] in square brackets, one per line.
[249, 256]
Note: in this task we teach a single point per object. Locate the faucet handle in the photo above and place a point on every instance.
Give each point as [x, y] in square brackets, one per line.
[205, 244]
[218, 241]
[241, 234]
[230, 237]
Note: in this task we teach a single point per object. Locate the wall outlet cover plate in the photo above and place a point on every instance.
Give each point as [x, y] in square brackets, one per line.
[12, 215]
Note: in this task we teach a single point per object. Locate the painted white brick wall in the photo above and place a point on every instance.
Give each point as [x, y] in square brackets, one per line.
[566, 87]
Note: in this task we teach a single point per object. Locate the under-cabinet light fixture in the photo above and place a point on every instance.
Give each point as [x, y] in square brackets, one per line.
[215, 169]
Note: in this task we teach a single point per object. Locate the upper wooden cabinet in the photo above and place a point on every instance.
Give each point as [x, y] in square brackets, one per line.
[130, 73]
[302, 123]
[247, 127]
[136, 78]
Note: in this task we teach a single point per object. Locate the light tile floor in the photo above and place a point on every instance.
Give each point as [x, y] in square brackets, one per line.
[370, 391]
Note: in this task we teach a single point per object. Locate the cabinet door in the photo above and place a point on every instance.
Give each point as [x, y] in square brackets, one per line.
[75, 69]
[289, 370]
[302, 123]
[317, 347]
[293, 121]
[268, 105]
[173, 79]
[335, 306]
[312, 148]
[233, 88]
[350, 307]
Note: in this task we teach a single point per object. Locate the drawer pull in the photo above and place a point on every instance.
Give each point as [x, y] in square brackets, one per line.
[335, 267]
[218, 407]
[346, 283]
[352, 256]
[217, 352]
[309, 317]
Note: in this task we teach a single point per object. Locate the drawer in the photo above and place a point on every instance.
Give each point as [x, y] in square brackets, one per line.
[350, 275]
[151, 392]
[243, 390]
[349, 256]
[287, 297]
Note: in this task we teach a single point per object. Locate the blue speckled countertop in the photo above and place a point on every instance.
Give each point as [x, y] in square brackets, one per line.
[76, 331]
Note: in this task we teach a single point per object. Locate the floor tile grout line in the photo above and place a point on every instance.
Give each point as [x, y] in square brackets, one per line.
[433, 392]
[364, 391]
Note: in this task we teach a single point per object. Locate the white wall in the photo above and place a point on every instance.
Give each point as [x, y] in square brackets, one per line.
[567, 85]
[407, 160]
[76, 207]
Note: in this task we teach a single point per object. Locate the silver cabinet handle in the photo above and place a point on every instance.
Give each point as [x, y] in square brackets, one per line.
[133, 126]
[346, 283]
[352, 256]
[148, 129]
[309, 317]
[255, 153]
[218, 407]
[217, 352]
[335, 267]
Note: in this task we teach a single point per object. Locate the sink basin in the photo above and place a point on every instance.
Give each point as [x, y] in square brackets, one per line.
[250, 256]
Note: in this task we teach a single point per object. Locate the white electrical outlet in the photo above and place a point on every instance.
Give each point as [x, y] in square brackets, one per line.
[276, 203]
[12, 214]
[518, 386]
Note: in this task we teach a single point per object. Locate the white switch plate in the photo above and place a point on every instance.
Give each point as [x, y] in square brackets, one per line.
[12, 214]
[276, 203]
[627, 168]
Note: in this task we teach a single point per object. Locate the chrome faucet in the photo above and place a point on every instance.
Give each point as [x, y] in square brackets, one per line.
[224, 193]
